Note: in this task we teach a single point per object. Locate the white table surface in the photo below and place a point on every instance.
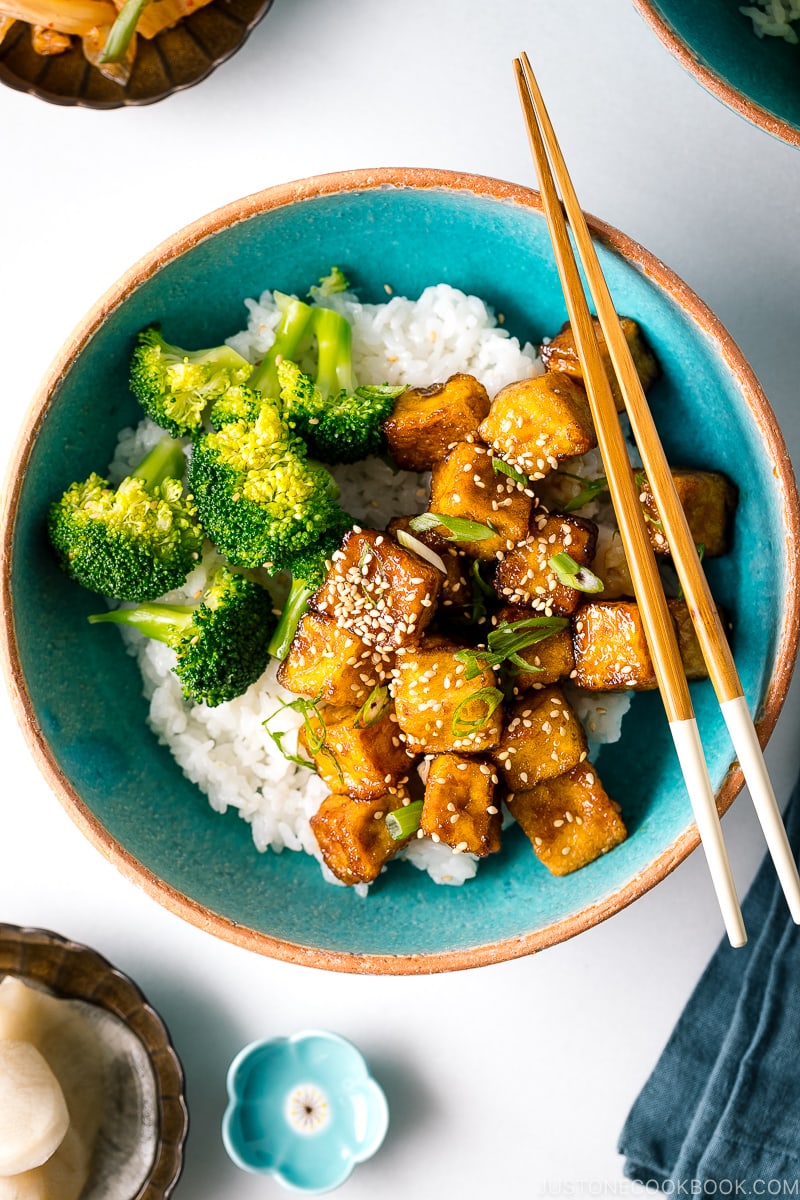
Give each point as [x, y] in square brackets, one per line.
[571, 1034]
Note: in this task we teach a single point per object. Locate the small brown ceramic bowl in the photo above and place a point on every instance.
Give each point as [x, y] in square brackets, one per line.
[755, 76]
[81, 703]
[176, 59]
[70, 971]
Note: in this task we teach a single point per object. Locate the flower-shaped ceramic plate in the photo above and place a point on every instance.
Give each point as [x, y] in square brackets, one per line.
[71, 971]
[303, 1109]
[170, 62]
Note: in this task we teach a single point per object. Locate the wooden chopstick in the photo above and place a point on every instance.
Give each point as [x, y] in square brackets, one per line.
[710, 633]
[656, 618]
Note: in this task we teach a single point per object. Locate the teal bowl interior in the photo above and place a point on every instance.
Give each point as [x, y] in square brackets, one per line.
[81, 694]
[759, 77]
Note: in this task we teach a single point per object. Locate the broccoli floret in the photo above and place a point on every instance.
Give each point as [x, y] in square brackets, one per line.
[133, 542]
[236, 404]
[175, 387]
[292, 331]
[339, 421]
[335, 281]
[221, 643]
[260, 500]
[309, 568]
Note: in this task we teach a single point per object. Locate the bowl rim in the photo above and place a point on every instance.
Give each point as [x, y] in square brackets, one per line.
[44, 957]
[715, 83]
[282, 195]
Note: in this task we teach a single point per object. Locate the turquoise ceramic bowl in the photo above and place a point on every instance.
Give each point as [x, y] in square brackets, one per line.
[407, 229]
[304, 1110]
[757, 77]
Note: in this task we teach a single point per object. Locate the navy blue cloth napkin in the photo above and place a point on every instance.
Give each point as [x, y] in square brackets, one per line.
[720, 1113]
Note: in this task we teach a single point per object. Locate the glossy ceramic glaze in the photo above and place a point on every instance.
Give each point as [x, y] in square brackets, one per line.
[71, 971]
[757, 77]
[304, 1110]
[79, 696]
[170, 62]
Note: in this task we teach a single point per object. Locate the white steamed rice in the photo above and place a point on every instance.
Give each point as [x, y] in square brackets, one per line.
[225, 750]
[774, 18]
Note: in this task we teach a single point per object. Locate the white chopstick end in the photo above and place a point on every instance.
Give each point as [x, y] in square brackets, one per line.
[689, 749]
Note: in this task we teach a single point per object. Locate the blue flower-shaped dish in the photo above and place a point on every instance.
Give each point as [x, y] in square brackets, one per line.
[303, 1109]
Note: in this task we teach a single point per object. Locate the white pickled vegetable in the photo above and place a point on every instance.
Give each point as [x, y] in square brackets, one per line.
[33, 1112]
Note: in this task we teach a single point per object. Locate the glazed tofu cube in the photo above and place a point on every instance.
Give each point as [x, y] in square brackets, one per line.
[707, 498]
[553, 658]
[427, 421]
[330, 663]
[455, 588]
[362, 761]
[691, 655]
[465, 484]
[611, 652]
[570, 820]
[382, 593]
[352, 836]
[437, 708]
[543, 738]
[459, 807]
[524, 576]
[561, 354]
[537, 422]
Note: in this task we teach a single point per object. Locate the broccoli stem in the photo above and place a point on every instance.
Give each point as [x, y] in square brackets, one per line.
[334, 351]
[291, 329]
[166, 460]
[163, 622]
[296, 605]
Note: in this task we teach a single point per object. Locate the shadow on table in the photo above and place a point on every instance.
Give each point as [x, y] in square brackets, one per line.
[207, 1039]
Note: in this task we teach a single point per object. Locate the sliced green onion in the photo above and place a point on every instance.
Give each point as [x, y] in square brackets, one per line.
[412, 543]
[501, 467]
[573, 575]
[592, 489]
[490, 696]
[505, 643]
[277, 737]
[402, 822]
[304, 706]
[641, 485]
[368, 552]
[315, 737]
[373, 708]
[121, 32]
[460, 529]
[326, 750]
[482, 592]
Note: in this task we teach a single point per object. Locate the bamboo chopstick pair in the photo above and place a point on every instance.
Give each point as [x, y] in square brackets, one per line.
[659, 630]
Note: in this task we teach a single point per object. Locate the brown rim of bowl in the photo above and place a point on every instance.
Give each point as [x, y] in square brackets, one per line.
[278, 197]
[74, 971]
[714, 83]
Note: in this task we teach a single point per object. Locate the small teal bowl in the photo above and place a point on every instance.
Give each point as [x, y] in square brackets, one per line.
[79, 696]
[304, 1110]
[757, 77]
